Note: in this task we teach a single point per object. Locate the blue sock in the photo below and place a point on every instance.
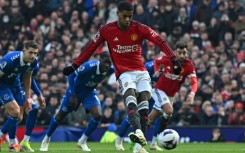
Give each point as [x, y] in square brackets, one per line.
[156, 126]
[123, 127]
[10, 125]
[92, 125]
[52, 126]
[31, 121]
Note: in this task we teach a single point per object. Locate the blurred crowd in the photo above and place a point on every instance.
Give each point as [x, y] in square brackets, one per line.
[214, 31]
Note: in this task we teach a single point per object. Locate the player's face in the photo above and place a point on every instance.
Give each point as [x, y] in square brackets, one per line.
[30, 54]
[181, 54]
[124, 19]
[105, 65]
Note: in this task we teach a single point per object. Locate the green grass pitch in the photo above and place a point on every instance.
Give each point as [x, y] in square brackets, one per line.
[109, 148]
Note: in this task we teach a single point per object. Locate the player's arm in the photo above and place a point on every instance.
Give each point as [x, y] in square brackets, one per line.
[27, 77]
[152, 36]
[194, 86]
[86, 53]
[4, 67]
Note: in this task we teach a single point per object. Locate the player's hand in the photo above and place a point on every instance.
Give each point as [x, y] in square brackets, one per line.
[28, 105]
[73, 101]
[70, 69]
[176, 65]
[157, 74]
[190, 98]
[42, 101]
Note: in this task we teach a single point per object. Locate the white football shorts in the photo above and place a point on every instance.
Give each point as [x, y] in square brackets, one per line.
[138, 80]
[160, 99]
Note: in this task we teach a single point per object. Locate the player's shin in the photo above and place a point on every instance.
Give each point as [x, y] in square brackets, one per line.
[123, 128]
[143, 108]
[133, 115]
[164, 119]
[30, 123]
[92, 125]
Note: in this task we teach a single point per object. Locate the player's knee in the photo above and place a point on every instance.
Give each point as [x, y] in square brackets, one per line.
[167, 115]
[15, 113]
[97, 117]
[168, 111]
[59, 117]
[144, 96]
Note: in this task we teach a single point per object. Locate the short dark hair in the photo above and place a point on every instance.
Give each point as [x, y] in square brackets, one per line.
[180, 45]
[30, 44]
[104, 55]
[125, 6]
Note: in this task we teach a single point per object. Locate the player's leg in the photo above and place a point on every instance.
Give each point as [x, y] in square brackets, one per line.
[30, 123]
[121, 132]
[92, 104]
[154, 145]
[162, 112]
[127, 82]
[65, 108]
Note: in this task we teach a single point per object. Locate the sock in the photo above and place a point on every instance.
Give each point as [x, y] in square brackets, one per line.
[52, 126]
[5, 127]
[31, 121]
[11, 124]
[156, 126]
[163, 124]
[119, 139]
[83, 139]
[123, 127]
[12, 141]
[154, 140]
[26, 138]
[92, 125]
[133, 115]
[143, 108]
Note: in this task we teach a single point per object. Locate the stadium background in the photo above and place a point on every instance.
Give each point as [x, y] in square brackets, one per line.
[213, 29]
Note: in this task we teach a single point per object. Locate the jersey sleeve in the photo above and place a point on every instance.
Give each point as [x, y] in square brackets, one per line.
[152, 36]
[34, 87]
[88, 51]
[159, 63]
[83, 69]
[191, 70]
[5, 65]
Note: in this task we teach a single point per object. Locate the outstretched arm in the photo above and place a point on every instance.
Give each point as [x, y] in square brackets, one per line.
[190, 97]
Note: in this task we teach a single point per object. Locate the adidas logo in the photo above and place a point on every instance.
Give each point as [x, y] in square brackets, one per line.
[115, 39]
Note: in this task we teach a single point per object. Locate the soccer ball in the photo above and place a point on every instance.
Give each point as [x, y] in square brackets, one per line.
[168, 139]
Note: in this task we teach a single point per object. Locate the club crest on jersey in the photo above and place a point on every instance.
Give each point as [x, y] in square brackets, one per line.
[125, 84]
[134, 37]
[96, 37]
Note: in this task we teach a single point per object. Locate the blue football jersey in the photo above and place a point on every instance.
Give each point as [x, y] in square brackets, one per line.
[150, 68]
[88, 76]
[12, 65]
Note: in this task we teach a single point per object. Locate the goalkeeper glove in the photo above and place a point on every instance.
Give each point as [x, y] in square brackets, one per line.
[176, 65]
[70, 69]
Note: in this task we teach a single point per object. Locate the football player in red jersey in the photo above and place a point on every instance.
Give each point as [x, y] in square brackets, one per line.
[124, 38]
[169, 84]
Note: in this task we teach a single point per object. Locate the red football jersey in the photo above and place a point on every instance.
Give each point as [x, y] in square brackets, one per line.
[125, 46]
[168, 81]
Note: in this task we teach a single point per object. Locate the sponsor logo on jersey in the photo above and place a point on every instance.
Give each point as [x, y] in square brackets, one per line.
[96, 37]
[134, 37]
[173, 76]
[126, 49]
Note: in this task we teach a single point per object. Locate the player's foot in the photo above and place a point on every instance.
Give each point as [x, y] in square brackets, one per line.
[45, 144]
[139, 149]
[1, 143]
[155, 147]
[14, 148]
[83, 146]
[138, 137]
[118, 145]
[25, 147]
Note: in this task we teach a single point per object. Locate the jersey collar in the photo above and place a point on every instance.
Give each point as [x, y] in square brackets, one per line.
[22, 63]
